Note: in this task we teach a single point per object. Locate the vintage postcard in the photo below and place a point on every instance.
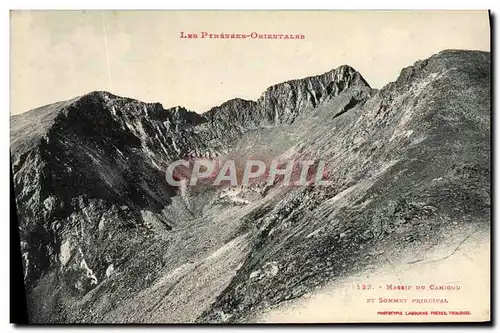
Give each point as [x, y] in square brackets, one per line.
[252, 166]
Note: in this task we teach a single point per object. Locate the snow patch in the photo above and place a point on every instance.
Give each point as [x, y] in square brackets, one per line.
[65, 253]
[90, 274]
[110, 270]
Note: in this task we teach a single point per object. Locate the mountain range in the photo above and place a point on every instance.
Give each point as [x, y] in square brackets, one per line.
[105, 239]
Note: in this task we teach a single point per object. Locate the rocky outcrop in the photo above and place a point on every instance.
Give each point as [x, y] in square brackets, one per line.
[285, 101]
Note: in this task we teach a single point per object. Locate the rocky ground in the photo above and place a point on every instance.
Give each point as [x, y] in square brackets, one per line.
[105, 238]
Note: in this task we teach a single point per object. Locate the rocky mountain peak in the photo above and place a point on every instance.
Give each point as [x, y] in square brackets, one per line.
[295, 97]
[100, 94]
[282, 103]
[182, 116]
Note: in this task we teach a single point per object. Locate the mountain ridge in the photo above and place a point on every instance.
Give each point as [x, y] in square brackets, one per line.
[325, 74]
[109, 95]
[408, 162]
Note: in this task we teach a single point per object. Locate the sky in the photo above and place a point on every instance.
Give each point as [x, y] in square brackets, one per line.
[58, 55]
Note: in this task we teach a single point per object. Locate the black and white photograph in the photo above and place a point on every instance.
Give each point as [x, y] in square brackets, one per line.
[251, 167]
